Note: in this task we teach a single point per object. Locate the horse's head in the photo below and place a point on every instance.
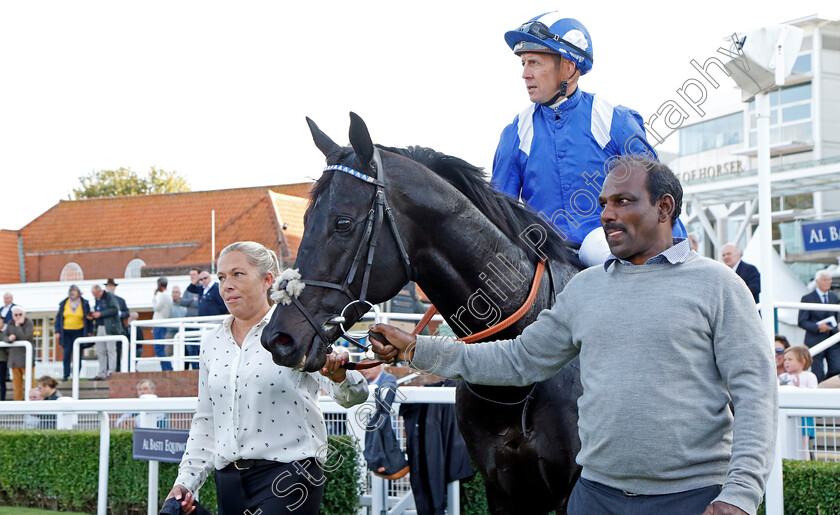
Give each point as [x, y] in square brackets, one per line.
[350, 250]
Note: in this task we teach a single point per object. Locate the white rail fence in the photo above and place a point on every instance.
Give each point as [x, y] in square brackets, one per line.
[382, 496]
[188, 331]
[27, 372]
[797, 406]
[809, 420]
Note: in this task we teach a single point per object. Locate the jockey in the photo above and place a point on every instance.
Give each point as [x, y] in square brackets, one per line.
[555, 154]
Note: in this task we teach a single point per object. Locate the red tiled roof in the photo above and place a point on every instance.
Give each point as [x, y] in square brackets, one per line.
[9, 259]
[170, 219]
[290, 212]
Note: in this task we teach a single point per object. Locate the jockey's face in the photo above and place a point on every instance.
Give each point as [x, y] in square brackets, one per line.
[636, 230]
[543, 74]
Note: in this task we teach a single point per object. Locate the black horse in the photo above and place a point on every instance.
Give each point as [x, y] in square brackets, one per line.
[420, 215]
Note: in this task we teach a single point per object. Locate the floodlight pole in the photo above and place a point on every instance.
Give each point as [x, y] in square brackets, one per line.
[774, 500]
[765, 231]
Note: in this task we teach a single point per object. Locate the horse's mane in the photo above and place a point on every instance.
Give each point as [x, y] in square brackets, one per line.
[506, 213]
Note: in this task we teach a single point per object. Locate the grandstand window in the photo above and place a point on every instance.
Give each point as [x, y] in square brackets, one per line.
[134, 268]
[71, 272]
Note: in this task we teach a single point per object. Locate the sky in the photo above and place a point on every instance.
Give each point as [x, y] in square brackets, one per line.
[219, 91]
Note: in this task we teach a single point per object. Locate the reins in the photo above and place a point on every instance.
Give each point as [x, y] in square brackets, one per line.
[504, 324]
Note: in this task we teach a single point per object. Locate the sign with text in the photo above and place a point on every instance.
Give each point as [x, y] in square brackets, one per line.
[821, 236]
[166, 445]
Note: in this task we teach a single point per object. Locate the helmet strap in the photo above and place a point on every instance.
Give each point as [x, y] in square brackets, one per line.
[560, 94]
[564, 85]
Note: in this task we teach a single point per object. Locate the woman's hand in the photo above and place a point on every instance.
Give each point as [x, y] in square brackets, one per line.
[12, 338]
[332, 368]
[180, 493]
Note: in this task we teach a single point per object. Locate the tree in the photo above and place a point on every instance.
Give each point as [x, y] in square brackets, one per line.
[125, 181]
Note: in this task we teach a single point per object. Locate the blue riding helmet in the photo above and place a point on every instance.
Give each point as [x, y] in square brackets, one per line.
[548, 33]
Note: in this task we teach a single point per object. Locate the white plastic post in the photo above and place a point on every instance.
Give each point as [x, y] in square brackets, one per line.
[453, 498]
[154, 468]
[75, 369]
[178, 349]
[378, 492]
[27, 372]
[104, 448]
[132, 359]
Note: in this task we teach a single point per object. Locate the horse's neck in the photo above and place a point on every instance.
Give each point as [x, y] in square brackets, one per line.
[470, 271]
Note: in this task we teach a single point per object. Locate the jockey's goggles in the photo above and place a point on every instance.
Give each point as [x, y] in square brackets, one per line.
[539, 30]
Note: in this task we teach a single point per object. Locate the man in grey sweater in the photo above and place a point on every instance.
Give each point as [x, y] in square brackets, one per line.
[666, 340]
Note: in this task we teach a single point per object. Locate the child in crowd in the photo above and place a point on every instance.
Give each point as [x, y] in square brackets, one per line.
[797, 362]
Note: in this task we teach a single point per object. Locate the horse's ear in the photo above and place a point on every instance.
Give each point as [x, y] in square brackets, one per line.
[360, 139]
[322, 141]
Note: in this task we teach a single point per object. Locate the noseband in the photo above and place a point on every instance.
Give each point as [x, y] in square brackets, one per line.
[378, 212]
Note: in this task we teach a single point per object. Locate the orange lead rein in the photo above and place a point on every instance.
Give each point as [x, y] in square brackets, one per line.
[504, 324]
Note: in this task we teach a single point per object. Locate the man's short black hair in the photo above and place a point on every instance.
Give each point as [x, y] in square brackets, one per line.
[661, 180]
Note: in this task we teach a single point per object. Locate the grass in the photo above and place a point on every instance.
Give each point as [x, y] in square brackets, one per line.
[14, 510]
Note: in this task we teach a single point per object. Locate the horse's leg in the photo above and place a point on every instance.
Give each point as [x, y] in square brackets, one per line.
[501, 504]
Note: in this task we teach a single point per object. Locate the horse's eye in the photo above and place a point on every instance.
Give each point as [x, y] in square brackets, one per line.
[343, 224]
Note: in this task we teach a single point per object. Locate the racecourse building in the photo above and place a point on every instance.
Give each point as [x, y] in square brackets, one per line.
[717, 160]
[134, 240]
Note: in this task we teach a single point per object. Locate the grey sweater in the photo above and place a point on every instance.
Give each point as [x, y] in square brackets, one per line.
[663, 349]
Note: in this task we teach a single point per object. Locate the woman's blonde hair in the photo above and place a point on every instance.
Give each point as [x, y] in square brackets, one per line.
[801, 353]
[259, 256]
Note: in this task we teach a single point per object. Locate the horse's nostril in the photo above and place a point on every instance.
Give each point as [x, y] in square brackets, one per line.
[283, 339]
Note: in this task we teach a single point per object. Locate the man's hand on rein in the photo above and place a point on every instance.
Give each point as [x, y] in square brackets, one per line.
[401, 347]
[332, 368]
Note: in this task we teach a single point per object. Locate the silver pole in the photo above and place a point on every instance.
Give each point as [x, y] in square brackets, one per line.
[213, 241]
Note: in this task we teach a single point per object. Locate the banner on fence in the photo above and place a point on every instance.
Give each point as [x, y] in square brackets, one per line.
[166, 445]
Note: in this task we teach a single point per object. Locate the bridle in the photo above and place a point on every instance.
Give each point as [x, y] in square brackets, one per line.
[379, 211]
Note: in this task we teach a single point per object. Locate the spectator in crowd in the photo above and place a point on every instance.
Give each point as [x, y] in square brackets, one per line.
[71, 322]
[781, 343]
[49, 388]
[797, 361]
[111, 287]
[162, 306]
[190, 299]
[19, 329]
[693, 240]
[6, 310]
[731, 255]
[251, 457]
[178, 311]
[210, 300]
[705, 459]
[140, 335]
[106, 322]
[145, 390]
[819, 325]
[33, 421]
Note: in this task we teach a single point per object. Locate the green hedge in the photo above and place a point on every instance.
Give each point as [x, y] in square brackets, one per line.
[811, 487]
[60, 470]
[474, 495]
